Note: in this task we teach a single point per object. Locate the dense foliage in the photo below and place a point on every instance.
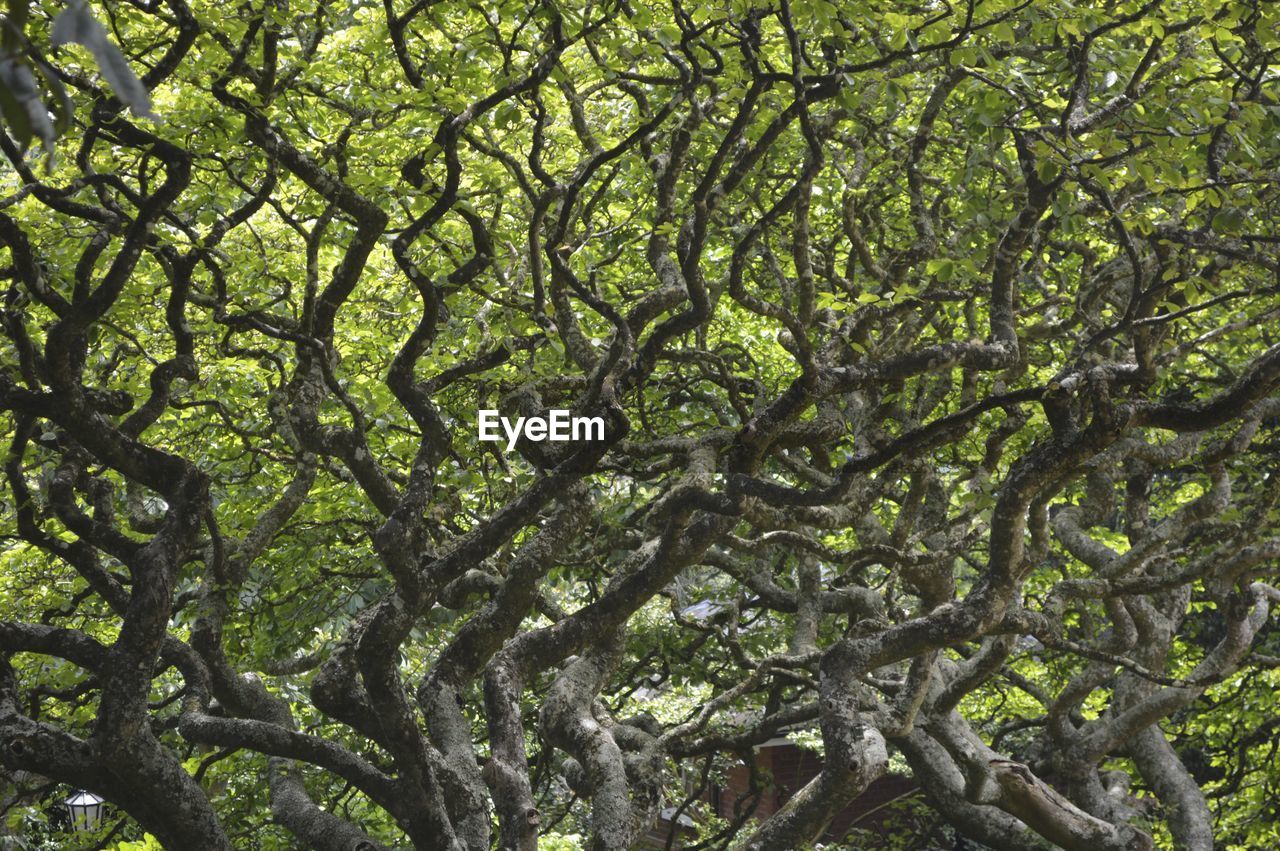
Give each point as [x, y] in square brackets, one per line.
[935, 347]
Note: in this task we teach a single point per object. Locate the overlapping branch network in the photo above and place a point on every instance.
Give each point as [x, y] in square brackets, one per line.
[933, 347]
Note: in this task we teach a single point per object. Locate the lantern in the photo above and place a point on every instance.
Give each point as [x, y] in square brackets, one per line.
[85, 809]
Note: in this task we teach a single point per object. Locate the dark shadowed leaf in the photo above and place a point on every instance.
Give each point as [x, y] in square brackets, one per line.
[23, 110]
[59, 104]
[15, 115]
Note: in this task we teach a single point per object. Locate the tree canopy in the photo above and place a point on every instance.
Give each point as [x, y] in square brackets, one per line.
[934, 344]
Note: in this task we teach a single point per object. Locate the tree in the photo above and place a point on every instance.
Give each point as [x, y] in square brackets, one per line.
[933, 345]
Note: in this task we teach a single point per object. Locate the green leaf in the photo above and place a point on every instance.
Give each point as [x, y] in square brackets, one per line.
[942, 270]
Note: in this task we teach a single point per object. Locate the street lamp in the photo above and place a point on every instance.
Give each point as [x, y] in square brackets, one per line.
[86, 810]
